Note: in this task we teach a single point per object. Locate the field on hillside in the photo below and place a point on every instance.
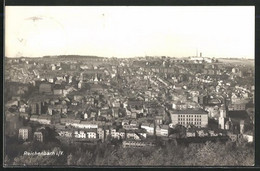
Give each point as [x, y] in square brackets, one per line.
[248, 62]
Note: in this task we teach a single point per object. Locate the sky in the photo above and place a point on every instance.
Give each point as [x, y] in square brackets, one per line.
[130, 31]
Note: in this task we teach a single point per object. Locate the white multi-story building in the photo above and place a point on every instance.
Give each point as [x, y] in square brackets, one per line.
[196, 117]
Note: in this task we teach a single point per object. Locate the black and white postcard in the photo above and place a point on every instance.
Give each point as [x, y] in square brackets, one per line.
[150, 86]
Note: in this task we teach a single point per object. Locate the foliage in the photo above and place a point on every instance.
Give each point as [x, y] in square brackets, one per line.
[37, 160]
[171, 154]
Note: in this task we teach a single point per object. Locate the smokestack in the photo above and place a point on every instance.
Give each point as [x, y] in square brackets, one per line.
[200, 54]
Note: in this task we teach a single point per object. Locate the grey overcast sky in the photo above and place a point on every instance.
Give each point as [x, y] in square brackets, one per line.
[124, 31]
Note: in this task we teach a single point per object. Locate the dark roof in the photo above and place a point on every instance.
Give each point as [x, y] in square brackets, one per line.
[236, 116]
[45, 84]
[135, 102]
[96, 87]
[189, 111]
[26, 127]
[58, 86]
[91, 130]
[93, 71]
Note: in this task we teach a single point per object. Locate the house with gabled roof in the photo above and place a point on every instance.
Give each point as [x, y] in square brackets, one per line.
[162, 130]
[190, 132]
[149, 127]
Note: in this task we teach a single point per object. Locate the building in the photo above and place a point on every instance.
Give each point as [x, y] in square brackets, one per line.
[36, 107]
[23, 108]
[24, 115]
[136, 134]
[130, 127]
[149, 128]
[45, 88]
[237, 107]
[91, 74]
[222, 118]
[65, 133]
[91, 133]
[101, 134]
[228, 124]
[45, 119]
[38, 136]
[120, 134]
[162, 130]
[125, 122]
[137, 104]
[196, 117]
[202, 132]
[240, 121]
[78, 124]
[53, 109]
[80, 134]
[137, 144]
[25, 133]
[115, 112]
[58, 89]
[248, 137]
[158, 120]
[242, 126]
[190, 133]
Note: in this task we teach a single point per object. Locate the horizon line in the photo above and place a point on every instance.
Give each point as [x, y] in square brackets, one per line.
[155, 56]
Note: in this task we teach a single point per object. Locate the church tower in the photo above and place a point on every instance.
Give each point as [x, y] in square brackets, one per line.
[221, 119]
[242, 126]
